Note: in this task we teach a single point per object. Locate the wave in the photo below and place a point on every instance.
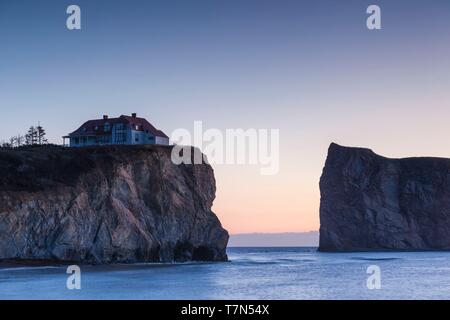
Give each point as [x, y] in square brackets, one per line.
[28, 268]
[375, 259]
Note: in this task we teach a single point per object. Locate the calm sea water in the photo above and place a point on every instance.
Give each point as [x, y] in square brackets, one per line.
[253, 273]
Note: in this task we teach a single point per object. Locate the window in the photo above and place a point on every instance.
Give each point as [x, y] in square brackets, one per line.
[137, 127]
[76, 140]
[107, 127]
[121, 134]
[136, 137]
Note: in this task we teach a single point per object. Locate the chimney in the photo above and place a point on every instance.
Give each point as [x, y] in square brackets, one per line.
[105, 117]
[134, 115]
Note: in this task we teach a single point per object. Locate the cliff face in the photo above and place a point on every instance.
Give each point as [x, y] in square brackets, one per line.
[369, 202]
[106, 205]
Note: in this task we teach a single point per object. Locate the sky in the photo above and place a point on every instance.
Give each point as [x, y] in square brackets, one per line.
[311, 69]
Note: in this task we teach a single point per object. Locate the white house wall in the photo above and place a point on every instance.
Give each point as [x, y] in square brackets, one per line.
[162, 140]
[142, 137]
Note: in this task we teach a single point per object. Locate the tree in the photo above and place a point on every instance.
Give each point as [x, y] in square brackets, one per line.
[16, 141]
[12, 142]
[5, 145]
[20, 140]
[31, 138]
[34, 136]
[41, 135]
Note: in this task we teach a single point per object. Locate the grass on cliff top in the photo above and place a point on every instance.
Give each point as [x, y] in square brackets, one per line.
[33, 168]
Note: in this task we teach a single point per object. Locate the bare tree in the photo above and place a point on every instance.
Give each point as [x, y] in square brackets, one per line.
[12, 142]
[20, 140]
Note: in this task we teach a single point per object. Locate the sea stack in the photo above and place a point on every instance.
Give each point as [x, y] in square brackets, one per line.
[372, 203]
[100, 205]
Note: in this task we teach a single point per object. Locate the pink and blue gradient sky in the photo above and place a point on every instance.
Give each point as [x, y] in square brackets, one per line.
[309, 68]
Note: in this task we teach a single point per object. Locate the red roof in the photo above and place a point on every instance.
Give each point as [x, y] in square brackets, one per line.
[96, 127]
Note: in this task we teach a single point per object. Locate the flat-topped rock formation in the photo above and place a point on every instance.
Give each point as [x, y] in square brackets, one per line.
[369, 202]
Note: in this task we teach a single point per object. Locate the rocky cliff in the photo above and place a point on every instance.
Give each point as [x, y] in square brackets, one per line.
[369, 202]
[106, 205]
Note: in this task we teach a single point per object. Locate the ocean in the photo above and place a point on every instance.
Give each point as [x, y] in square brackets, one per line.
[252, 273]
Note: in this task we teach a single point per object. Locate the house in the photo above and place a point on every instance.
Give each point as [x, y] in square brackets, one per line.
[129, 130]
